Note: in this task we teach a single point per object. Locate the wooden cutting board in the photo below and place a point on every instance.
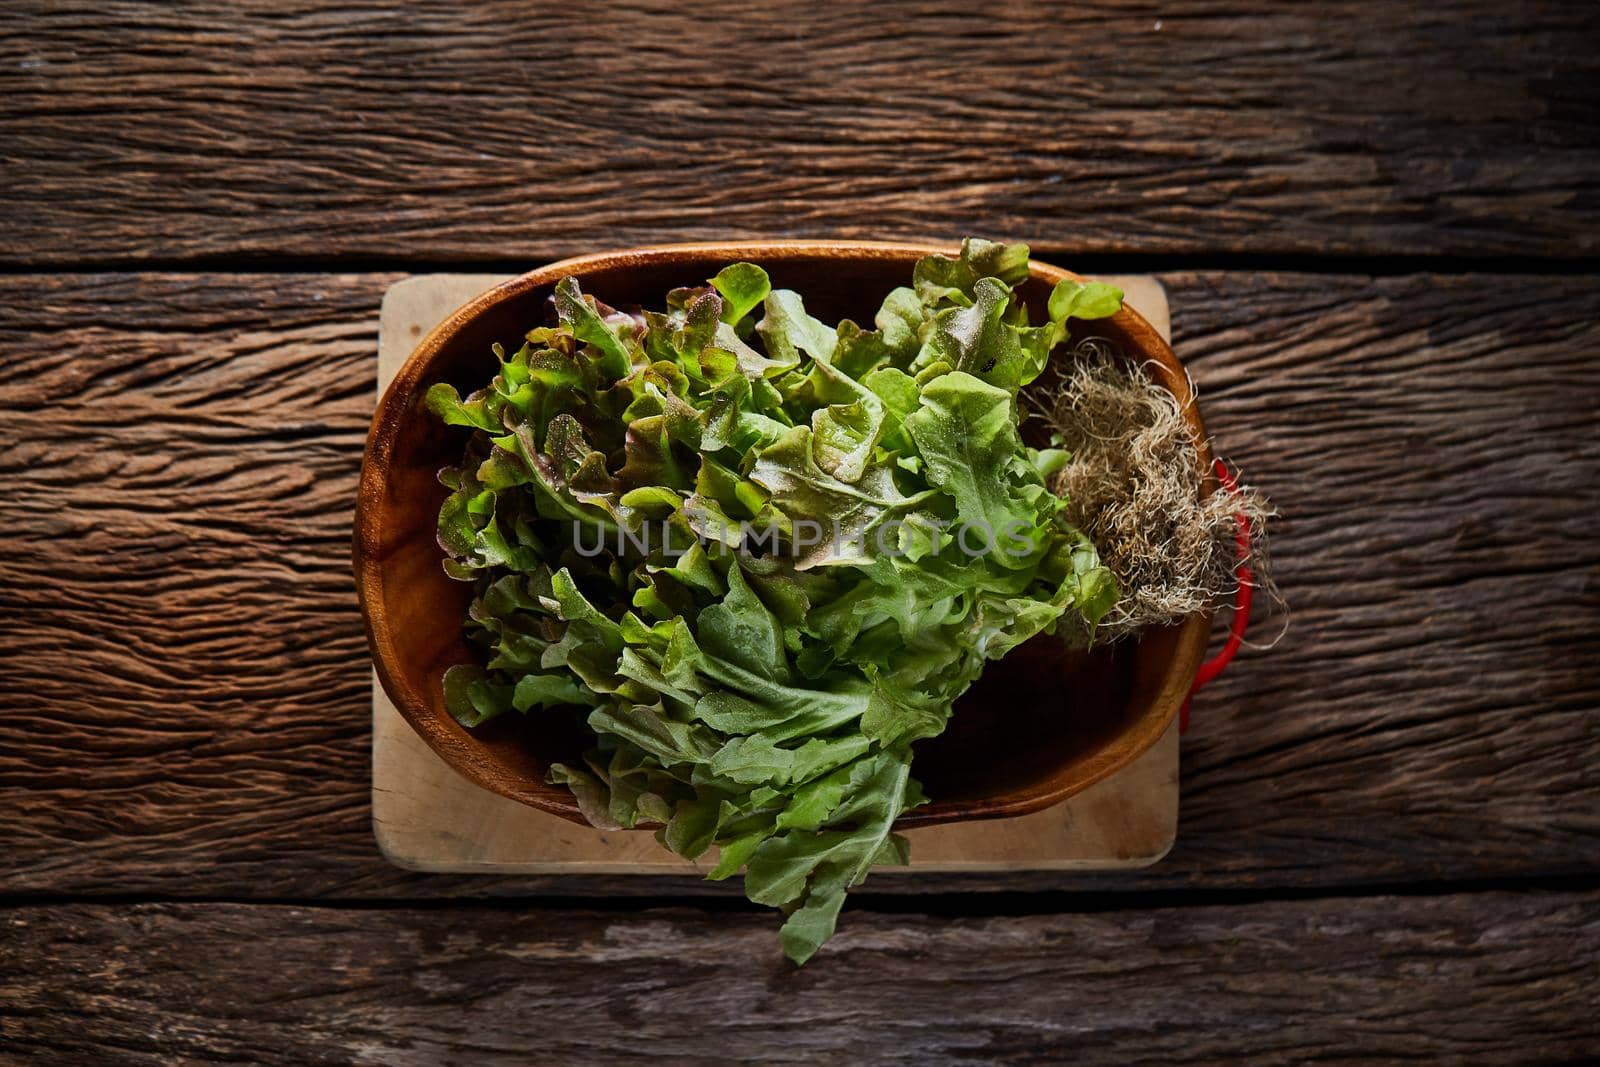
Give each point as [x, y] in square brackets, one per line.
[428, 818]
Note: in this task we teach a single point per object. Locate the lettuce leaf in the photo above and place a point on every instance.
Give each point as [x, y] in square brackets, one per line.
[759, 556]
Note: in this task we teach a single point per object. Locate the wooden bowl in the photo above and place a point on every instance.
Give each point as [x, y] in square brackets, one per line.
[1039, 726]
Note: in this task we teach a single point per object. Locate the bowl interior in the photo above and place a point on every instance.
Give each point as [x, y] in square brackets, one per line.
[1040, 725]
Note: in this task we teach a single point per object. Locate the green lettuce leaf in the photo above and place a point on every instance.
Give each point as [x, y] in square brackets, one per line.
[735, 544]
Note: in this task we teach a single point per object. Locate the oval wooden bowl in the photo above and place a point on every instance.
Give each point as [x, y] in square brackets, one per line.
[1039, 726]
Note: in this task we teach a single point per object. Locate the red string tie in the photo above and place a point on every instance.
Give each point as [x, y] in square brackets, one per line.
[1242, 596]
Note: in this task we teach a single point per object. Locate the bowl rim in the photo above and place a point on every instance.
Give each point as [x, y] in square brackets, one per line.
[403, 390]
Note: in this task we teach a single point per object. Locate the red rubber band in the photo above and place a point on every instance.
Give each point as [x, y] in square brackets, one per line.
[1241, 605]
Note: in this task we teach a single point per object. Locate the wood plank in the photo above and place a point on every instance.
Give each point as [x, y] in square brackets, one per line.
[494, 131]
[184, 681]
[1474, 978]
[426, 817]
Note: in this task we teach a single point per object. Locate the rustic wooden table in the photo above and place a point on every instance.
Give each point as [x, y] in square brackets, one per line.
[1380, 232]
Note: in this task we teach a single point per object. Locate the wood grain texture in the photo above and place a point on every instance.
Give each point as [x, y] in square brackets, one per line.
[452, 133]
[1479, 978]
[184, 679]
[183, 658]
